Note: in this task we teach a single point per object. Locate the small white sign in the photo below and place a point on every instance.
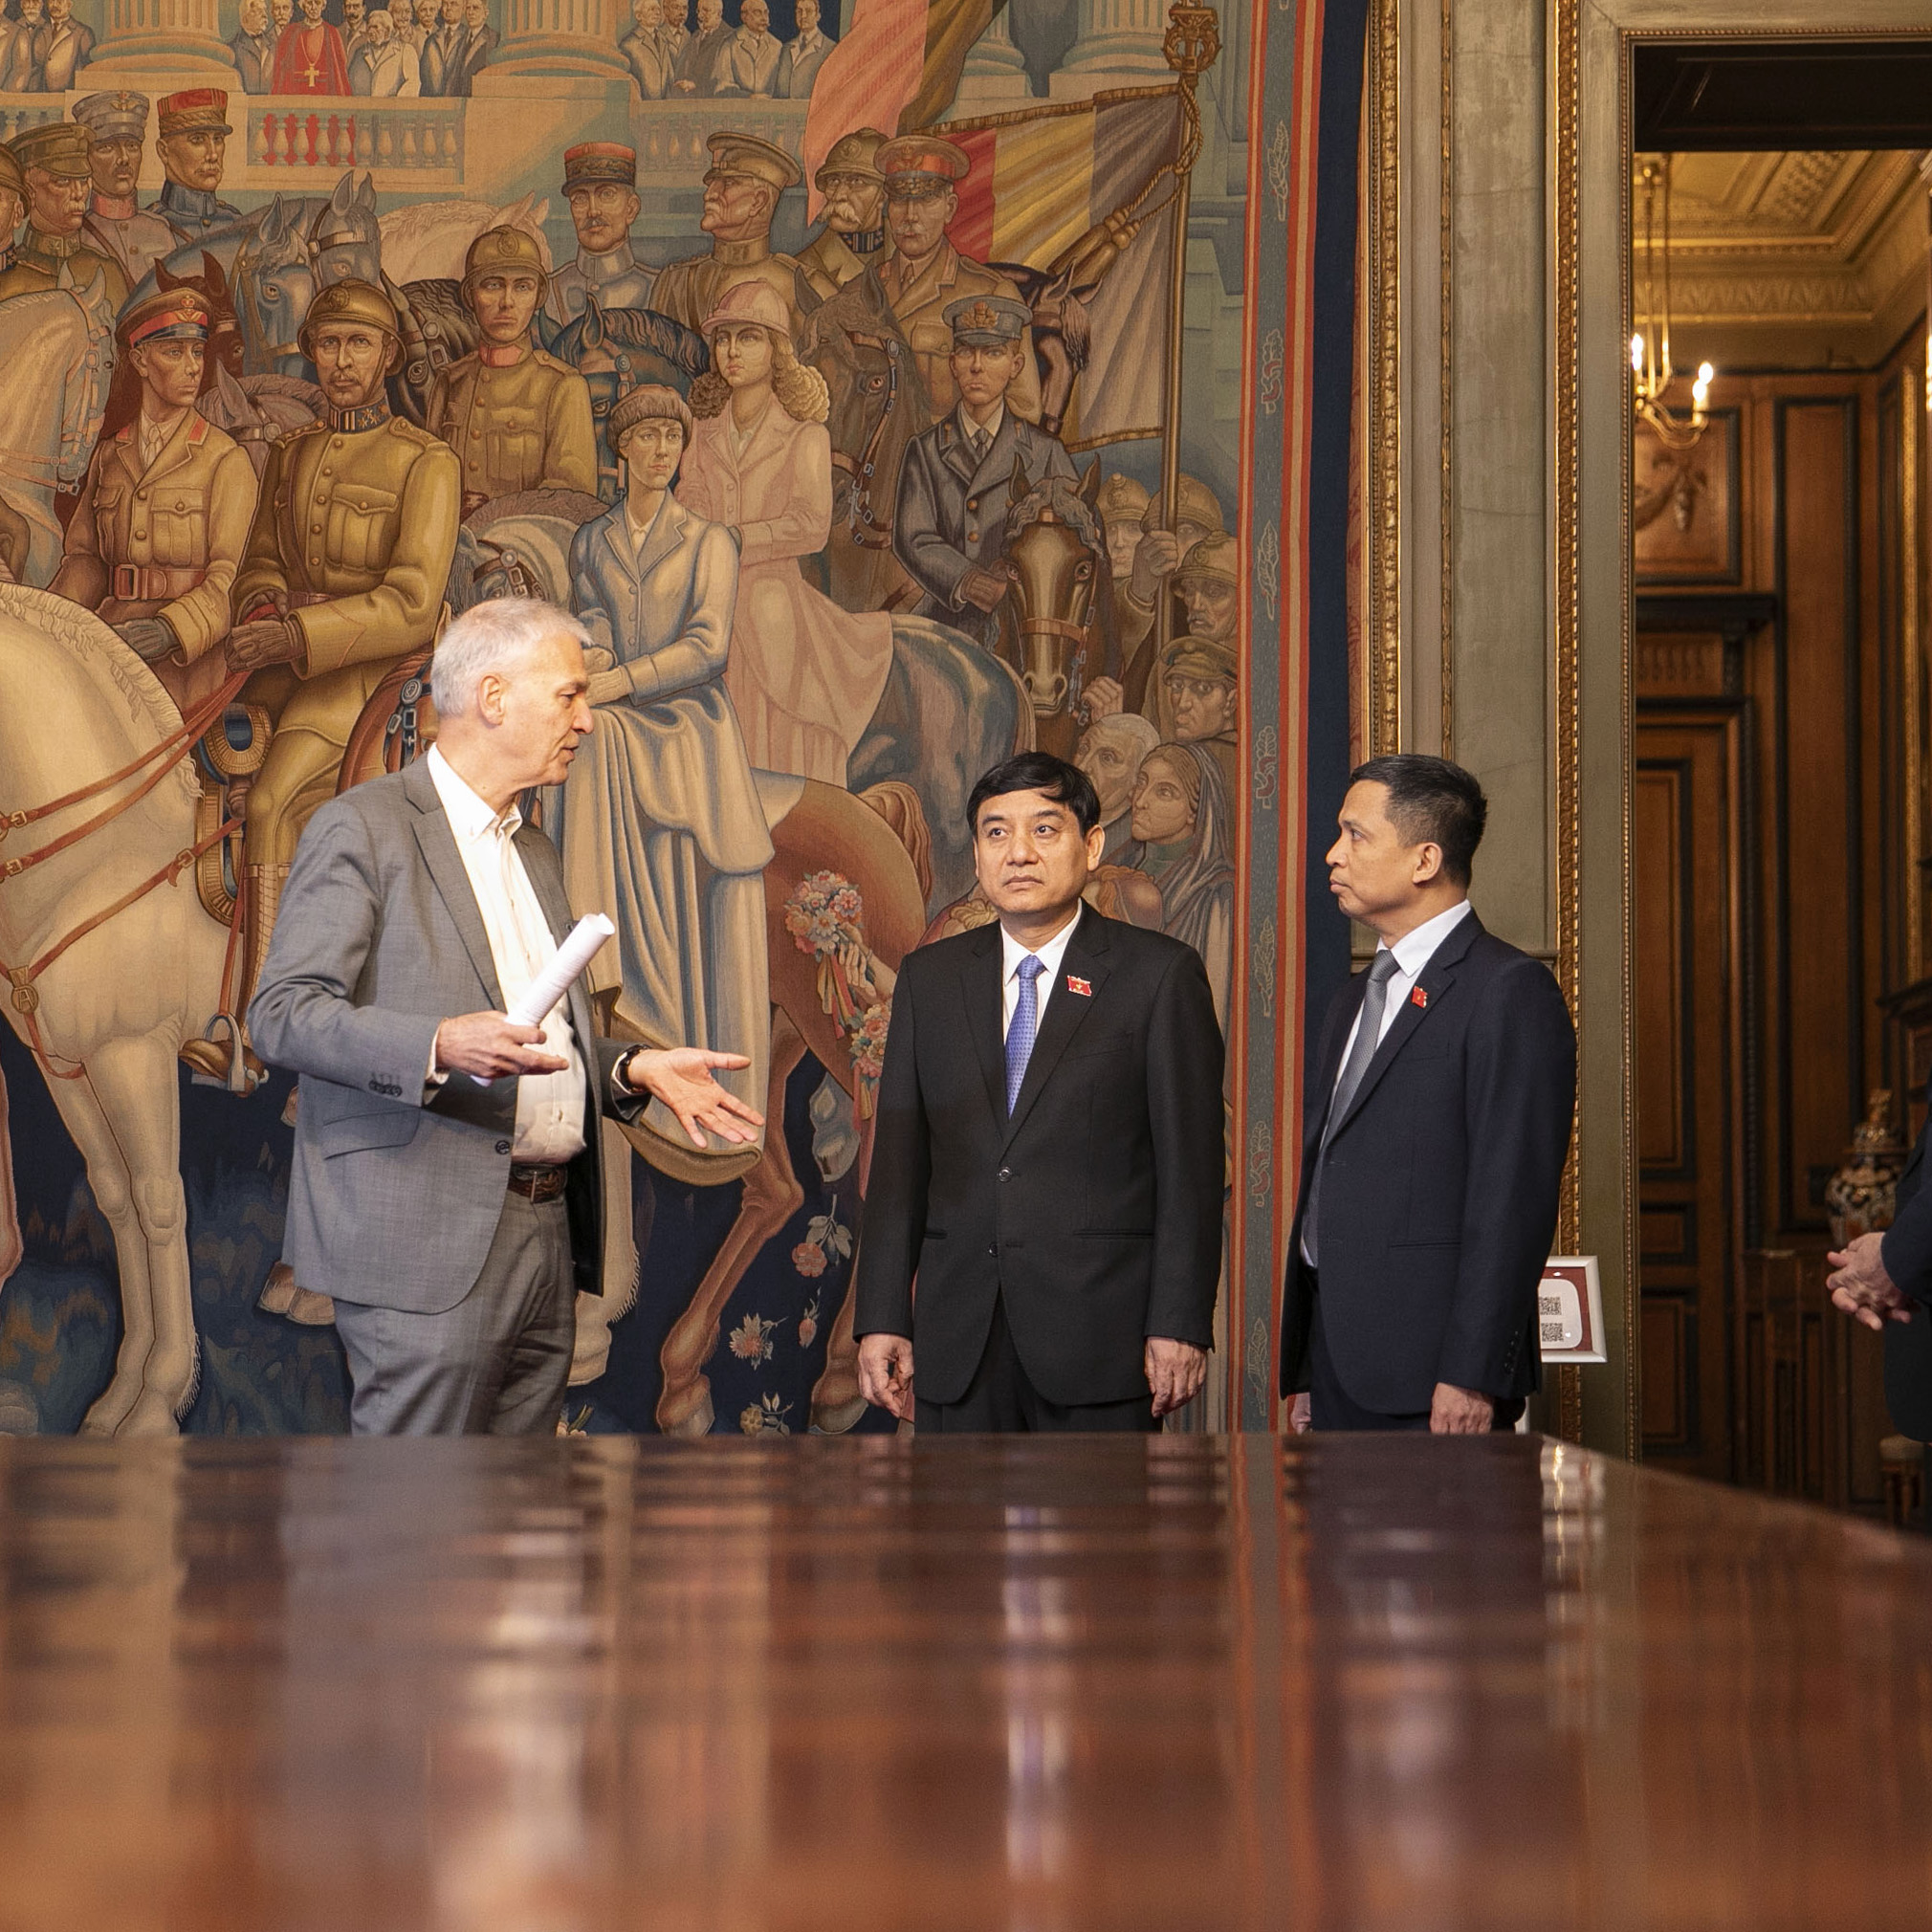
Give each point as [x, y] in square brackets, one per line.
[1569, 1311]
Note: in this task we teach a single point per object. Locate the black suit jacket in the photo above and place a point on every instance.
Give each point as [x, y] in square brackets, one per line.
[1094, 1211]
[1440, 1185]
[1907, 1251]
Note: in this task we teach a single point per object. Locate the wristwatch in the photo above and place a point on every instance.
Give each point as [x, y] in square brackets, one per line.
[621, 1071]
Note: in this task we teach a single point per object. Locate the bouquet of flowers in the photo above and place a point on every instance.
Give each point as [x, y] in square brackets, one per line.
[823, 913]
[868, 1045]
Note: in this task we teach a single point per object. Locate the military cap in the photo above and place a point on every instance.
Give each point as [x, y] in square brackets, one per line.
[505, 250]
[1194, 656]
[58, 147]
[591, 162]
[751, 300]
[13, 180]
[113, 117]
[987, 321]
[856, 153]
[1193, 502]
[194, 110]
[919, 166]
[350, 302]
[174, 315]
[1215, 556]
[746, 154]
[643, 404]
[1122, 500]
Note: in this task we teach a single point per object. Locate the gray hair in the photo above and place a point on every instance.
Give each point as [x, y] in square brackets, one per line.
[1124, 724]
[487, 637]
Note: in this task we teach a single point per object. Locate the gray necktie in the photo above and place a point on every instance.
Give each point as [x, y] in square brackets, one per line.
[1368, 1037]
[982, 442]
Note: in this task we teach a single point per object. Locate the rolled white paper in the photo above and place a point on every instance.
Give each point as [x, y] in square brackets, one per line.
[580, 946]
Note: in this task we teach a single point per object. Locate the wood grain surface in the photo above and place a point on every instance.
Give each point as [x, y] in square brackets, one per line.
[871, 1684]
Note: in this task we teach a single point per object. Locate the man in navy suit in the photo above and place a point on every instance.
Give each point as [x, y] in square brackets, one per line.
[1437, 1125]
[1049, 1159]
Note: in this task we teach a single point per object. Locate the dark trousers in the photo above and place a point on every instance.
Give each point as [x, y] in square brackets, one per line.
[1001, 1400]
[1331, 1406]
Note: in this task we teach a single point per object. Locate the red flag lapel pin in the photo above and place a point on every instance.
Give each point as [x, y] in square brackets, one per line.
[1419, 997]
[1076, 984]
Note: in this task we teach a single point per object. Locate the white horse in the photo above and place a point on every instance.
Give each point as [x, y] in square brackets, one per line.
[106, 1018]
[429, 239]
[56, 348]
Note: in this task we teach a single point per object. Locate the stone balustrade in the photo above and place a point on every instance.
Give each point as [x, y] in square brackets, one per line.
[408, 144]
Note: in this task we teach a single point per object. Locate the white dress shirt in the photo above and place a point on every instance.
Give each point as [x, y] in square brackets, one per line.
[1413, 951]
[1050, 954]
[549, 1106]
[990, 429]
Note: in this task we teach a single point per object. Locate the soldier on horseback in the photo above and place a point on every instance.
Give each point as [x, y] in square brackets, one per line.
[343, 577]
[155, 542]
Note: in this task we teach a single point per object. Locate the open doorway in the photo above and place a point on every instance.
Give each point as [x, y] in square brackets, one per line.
[1778, 835]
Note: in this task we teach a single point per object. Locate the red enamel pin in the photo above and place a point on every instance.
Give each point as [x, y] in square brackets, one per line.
[1418, 998]
[1083, 987]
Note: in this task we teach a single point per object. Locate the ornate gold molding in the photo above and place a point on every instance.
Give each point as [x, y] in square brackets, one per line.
[1910, 401]
[1565, 42]
[1384, 626]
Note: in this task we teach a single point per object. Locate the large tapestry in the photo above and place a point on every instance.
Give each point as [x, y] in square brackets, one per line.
[1010, 343]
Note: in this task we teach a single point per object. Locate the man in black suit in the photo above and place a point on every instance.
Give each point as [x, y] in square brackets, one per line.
[1885, 1280]
[1048, 1157]
[1436, 1128]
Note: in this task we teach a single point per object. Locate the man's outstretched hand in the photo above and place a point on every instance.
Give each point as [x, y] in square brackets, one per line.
[681, 1076]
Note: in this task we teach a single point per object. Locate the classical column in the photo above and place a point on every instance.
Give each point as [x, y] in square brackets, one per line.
[154, 45]
[1119, 45]
[994, 78]
[556, 39]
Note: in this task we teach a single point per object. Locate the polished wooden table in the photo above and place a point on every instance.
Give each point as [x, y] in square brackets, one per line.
[870, 1683]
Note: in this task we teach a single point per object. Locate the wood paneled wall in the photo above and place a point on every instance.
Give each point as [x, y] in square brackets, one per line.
[1773, 888]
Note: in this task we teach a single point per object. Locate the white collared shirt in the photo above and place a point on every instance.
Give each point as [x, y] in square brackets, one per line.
[991, 428]
[549, 1106]
[1413, 951]
[1050, 954]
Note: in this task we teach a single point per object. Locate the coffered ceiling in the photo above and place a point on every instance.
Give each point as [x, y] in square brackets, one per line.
[1790, 260]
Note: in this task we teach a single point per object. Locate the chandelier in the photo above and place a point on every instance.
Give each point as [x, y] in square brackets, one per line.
[1650, 366]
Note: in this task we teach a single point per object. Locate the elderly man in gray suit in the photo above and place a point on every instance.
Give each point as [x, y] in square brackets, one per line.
[447, 1189]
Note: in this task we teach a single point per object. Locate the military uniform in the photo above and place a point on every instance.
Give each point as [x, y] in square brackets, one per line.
[193, 213]
[59, 148]
[915, 167]
[615, 280]
[164, 540]
[517, 418]
[1203, 657]
[121, 228]
[951, 515]
[689, 291]
[355, 529]
[831, 259]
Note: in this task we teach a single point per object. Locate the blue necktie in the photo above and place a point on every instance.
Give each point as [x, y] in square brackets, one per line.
[1026, 1024]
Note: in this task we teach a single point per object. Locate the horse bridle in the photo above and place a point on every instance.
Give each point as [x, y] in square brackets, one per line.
[244, 287]
[863, 468]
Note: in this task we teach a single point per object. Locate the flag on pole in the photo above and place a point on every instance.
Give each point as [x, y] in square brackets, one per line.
[1087, 184]
[896, 68]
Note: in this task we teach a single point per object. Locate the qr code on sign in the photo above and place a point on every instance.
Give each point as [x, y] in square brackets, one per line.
[1552, 1334]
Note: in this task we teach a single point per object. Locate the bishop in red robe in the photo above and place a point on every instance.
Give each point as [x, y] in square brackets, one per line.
[309, 56]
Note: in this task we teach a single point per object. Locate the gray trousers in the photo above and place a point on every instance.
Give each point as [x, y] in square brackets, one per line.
[496, 1364]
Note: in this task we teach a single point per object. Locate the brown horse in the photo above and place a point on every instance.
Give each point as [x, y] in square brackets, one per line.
[1055, 555]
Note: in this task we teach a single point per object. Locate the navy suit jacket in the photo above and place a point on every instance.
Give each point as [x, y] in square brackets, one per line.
[1094, 1213]
[1907, 1251]
[1440, 1185]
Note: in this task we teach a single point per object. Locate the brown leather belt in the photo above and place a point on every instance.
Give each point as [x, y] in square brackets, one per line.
[539, 1184]
[150, 582]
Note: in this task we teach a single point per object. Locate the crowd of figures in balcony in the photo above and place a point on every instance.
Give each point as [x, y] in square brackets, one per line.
[675, 50]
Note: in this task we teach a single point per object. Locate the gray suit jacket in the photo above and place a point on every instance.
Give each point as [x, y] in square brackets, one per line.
[395, 1196]
[952, 512]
